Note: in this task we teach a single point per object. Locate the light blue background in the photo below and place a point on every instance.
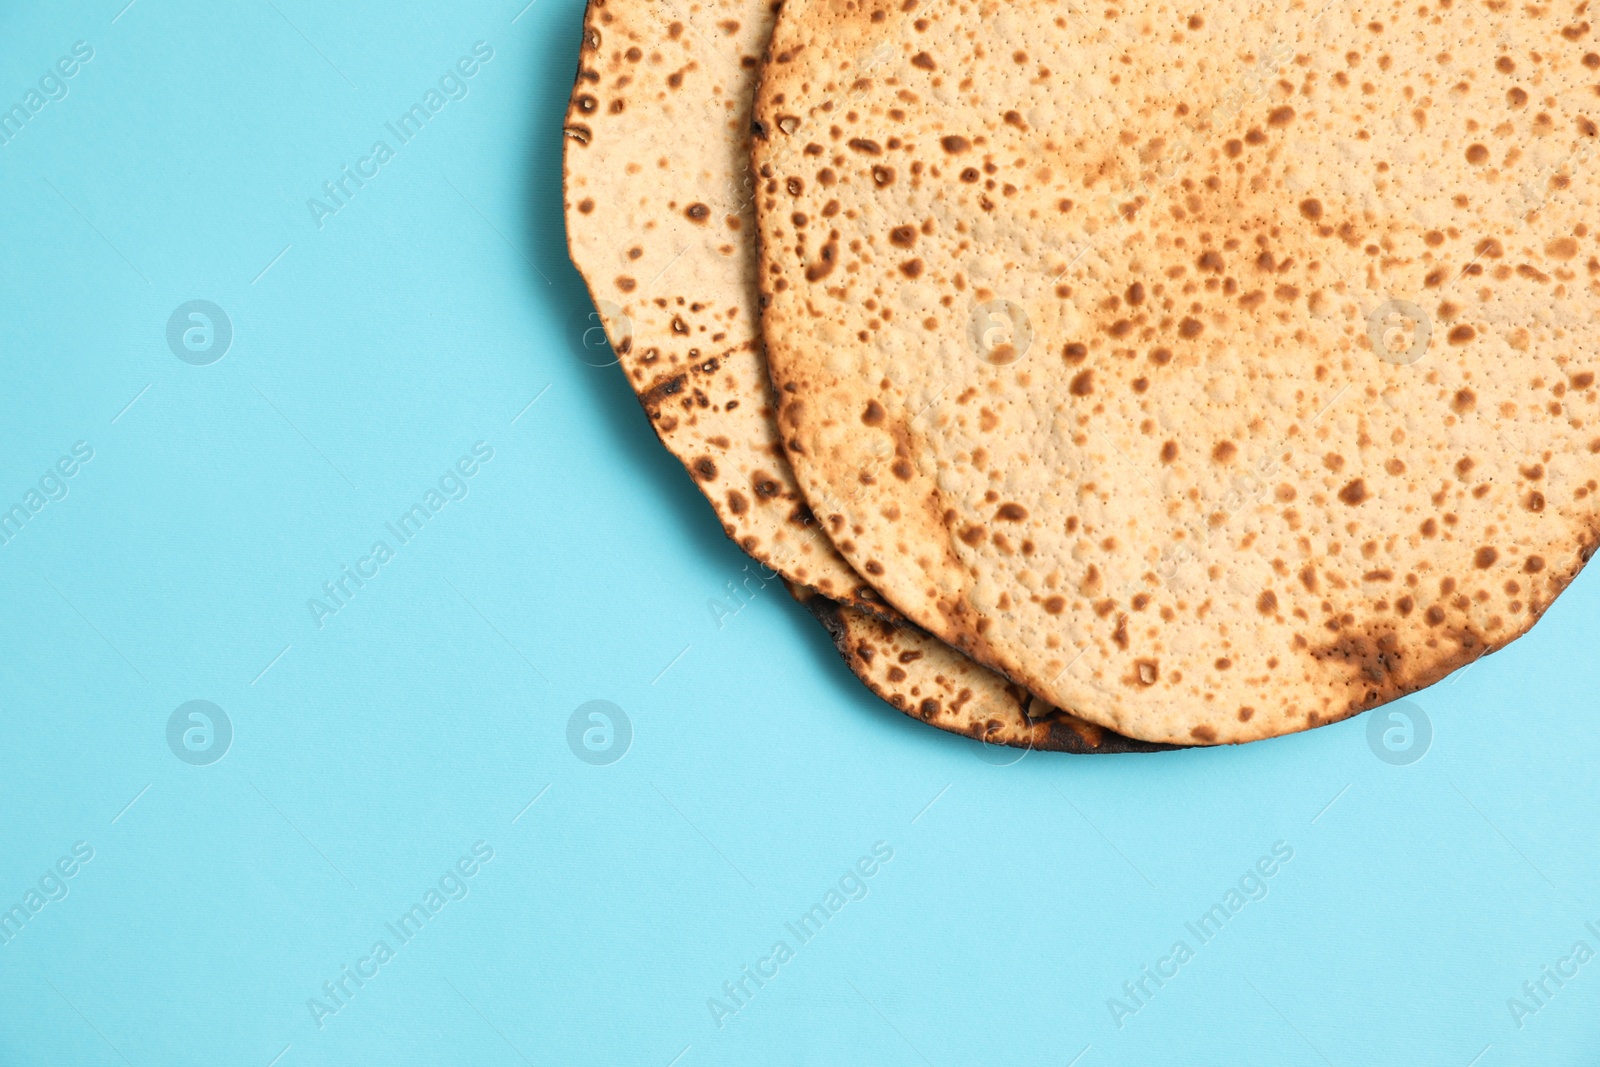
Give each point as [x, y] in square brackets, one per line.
[370, 753]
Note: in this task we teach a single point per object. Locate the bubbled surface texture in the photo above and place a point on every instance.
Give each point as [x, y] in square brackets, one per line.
[661, 226]
[1207, 493]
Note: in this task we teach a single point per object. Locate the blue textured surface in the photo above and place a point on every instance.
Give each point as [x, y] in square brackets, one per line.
[375, 746]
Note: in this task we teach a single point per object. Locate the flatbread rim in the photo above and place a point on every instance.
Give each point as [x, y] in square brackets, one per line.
[1056, 731]
[864, 595]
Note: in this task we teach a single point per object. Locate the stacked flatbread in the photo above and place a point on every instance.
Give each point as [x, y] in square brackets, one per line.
[1213, 374]
[661, 224]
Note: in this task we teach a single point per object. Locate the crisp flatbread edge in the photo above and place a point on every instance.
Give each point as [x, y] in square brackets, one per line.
[926, 679]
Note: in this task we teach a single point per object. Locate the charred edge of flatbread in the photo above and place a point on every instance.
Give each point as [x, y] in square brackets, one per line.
[1372, 655]
[654, 396]
[581, 133]
[577, 131]
[651, 398]
[1030, 724]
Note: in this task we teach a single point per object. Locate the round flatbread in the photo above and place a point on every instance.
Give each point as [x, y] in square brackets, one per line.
[1215, 372]
[647, 67]
[660, 224]
[933, 683]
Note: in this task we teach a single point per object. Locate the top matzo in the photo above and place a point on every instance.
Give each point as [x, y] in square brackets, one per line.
[1072, 316]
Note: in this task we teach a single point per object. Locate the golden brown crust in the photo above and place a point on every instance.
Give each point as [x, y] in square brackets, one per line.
[693, 357]
[660, 227]
[928, 680]
[1081, 329]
